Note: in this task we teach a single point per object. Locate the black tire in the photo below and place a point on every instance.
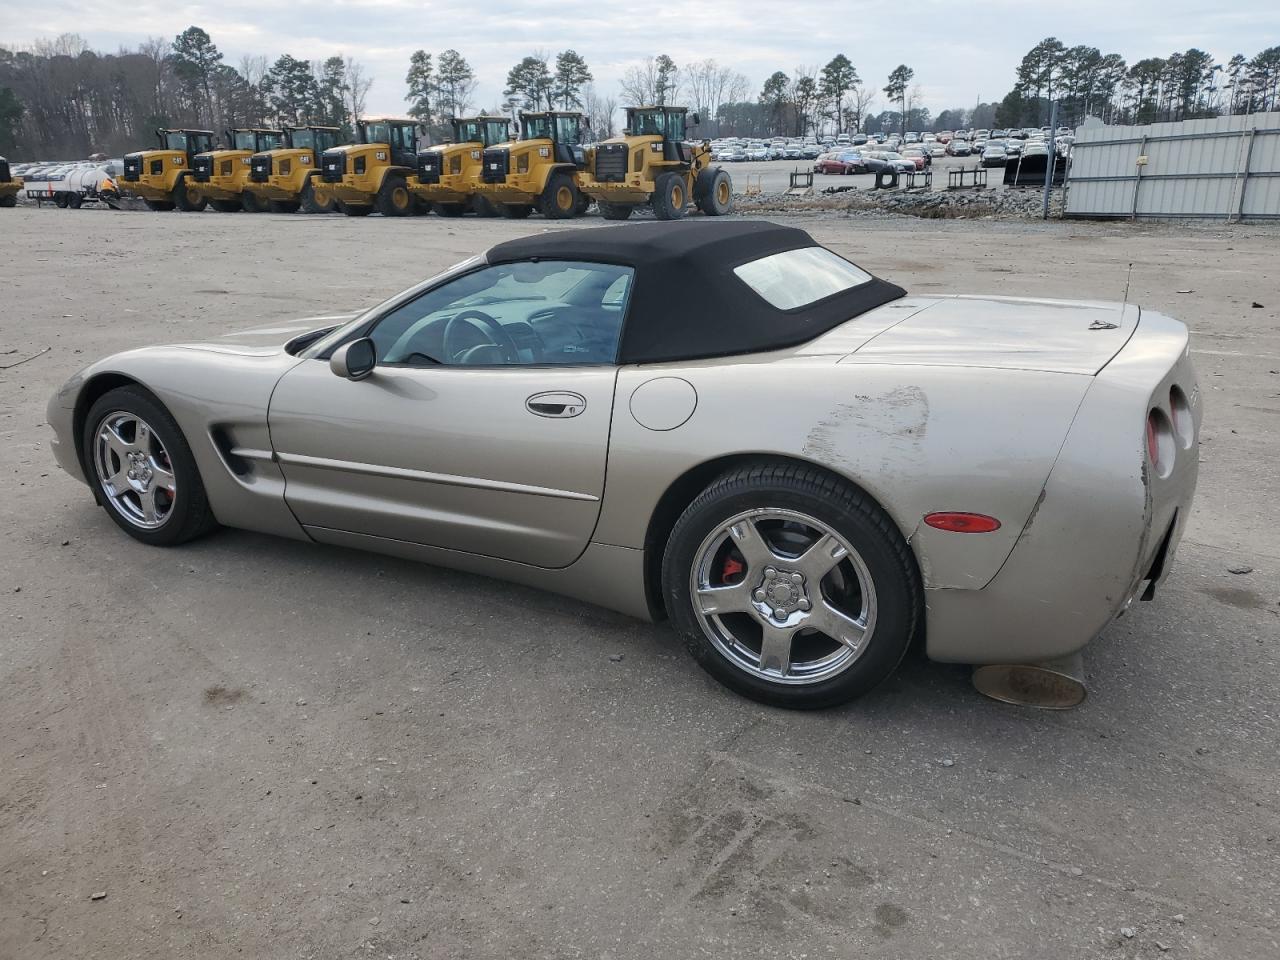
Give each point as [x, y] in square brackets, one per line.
[226, 206]
[670, 200]
[843, 508]
[159, 205]
[60, 200]
[356, 209]
[449, 209]
[559, 200]
[394, 198]
[614, 211]
[308, 201]
[75, 201]
[483, 207]
[284, 206]
[9, 201]
[713, 192]
[514, 211]
[190, 515]
[251, 203]
[187, 199]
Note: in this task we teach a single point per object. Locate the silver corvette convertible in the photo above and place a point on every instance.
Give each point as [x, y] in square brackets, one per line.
[722, 423]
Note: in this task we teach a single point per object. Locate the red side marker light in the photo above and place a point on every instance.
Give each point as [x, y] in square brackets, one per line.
[958, 522]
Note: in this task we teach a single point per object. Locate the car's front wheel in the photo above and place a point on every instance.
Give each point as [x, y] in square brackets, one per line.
[791, 586]
[142, 469]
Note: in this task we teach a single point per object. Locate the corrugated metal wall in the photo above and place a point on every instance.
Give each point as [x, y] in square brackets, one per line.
[1227, 167]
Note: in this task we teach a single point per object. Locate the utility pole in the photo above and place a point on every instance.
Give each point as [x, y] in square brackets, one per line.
[1049, 160]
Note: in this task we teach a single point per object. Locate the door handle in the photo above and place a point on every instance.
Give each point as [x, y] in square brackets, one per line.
[559, 405]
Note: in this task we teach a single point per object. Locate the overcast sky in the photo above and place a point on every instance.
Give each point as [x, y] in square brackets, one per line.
[960, 51]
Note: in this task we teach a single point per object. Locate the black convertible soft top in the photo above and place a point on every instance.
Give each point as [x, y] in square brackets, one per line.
[686, 302]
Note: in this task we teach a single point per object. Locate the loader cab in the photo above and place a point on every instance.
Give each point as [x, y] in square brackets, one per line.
[669, 123]
[400, 135]
[483, 130]
[190, 142]
[254, 140]
[563, 129]
[317, 139]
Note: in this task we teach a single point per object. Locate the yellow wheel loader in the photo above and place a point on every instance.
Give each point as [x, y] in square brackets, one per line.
[164, 178]
[373, 174]
[653, 165]
[10, 185]
[288, 178]
[538, 171]
[447, 173]
[221, 175]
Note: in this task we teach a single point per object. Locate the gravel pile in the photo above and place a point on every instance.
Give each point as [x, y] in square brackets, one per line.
[1020, 204]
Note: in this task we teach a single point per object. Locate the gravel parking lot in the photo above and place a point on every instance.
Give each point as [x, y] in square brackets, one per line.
[259, 748]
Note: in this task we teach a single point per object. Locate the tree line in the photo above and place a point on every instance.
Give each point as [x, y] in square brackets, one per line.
[62, 99]
[1186, 85]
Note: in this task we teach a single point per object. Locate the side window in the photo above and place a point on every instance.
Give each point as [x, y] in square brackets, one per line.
[552, 312]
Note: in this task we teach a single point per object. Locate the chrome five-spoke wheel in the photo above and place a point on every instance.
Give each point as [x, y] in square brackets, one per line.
[783, 596]
[134, 470]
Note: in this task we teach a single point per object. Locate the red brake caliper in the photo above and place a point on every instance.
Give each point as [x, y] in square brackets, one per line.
[733, 567]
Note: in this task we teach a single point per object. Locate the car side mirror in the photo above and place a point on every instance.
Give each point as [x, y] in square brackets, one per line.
[354, 360]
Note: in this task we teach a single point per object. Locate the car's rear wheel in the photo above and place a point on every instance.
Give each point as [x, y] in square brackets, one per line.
[791, 586]
[142, 469]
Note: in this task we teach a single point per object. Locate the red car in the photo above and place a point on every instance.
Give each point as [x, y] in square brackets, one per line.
[844, 162]
[917, 156]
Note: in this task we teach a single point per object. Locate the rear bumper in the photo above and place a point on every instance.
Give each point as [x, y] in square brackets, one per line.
[1107, 525]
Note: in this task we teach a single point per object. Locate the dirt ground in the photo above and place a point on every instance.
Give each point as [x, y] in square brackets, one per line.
[250, 747]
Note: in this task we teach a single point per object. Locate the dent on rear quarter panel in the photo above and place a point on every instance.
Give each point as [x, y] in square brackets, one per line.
[918, 439]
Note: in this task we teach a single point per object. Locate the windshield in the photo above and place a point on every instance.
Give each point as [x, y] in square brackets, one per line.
[795, 278]
[567, 129]
[377, 132]
[269, 141]
[303, 140]
[178, 140]
[536, 128]
[495, 131]
[657, 123]
[467, 131]
[244, 140]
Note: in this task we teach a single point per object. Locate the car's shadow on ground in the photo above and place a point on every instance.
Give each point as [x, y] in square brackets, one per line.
[1131, 659]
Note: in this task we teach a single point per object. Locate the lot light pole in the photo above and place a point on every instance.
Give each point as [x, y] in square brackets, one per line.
[1048, 161]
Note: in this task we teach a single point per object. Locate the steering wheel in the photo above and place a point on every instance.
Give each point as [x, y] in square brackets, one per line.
[495, 334]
